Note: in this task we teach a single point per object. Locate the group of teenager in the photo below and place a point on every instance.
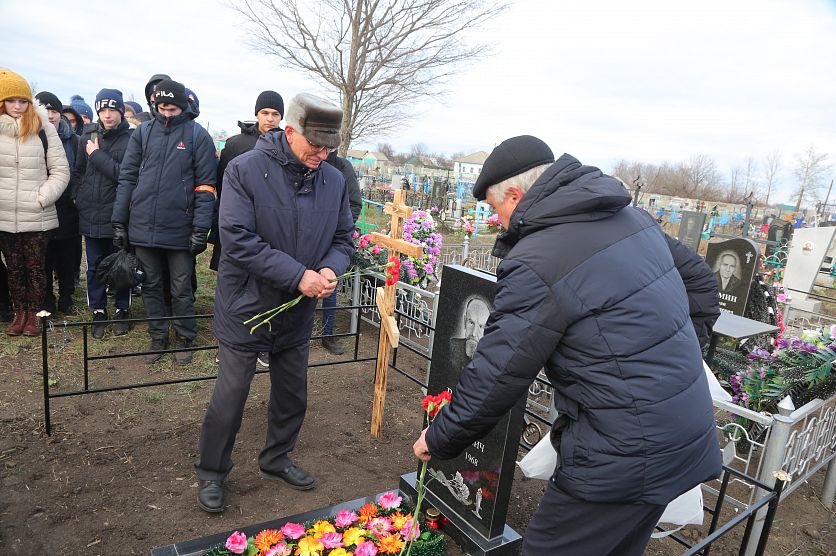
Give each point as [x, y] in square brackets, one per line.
[69, 171]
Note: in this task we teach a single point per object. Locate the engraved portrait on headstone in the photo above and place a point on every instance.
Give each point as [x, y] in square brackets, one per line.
[734, 263]
[472, 321]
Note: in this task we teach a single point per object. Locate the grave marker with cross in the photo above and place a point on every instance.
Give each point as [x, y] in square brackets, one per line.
[385, 299]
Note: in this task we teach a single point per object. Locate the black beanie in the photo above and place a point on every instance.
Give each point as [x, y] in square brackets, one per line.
[171, 92]
[50, 101]
[269, 99]
[156, 78]
[511, 158]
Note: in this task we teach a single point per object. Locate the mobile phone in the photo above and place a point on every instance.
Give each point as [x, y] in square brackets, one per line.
[94, 135]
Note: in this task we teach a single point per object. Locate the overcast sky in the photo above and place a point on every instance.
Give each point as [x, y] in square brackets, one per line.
[649, 80]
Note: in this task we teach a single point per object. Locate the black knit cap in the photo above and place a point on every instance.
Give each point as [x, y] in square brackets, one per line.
[50, 101]
[152, 83]
[511, 158]
[269, 99]
[171, 92]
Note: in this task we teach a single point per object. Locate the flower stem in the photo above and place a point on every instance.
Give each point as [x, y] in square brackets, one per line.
[421, 490]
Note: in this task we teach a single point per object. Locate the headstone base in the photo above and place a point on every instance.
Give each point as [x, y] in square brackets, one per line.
[470, 541]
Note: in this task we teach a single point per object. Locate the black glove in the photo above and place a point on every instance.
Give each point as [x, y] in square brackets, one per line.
[197, 243]
[120, 235]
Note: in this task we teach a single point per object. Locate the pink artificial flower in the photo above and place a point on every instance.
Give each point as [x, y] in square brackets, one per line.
[389, 500]
[236, 543]
[781, 297]
[280, 549]
[364, 242]
[293, 530]
[331, 540]
[355, 235]
[345, 518]
[365, 549]
[376, 250]
[379, 526]
[410, 530]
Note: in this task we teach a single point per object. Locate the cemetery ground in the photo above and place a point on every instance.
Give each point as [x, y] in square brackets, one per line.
[117, 477]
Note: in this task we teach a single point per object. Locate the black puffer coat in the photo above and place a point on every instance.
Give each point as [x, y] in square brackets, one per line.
[589, 291]
[96, 177]
[67, 212]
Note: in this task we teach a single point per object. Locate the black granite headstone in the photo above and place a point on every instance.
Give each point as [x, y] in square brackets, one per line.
[733, 263]
[690, 229]
[476, 485]
[780, 232]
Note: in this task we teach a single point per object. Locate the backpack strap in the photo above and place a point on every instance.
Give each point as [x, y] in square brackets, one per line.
[45, 143]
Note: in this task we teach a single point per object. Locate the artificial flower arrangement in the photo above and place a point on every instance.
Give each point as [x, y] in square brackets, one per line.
[493, 223]
[385, 527]
[419, 229]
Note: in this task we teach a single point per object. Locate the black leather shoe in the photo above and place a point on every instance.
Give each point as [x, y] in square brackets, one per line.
[210, 497]
[333, 345]
[294, 476]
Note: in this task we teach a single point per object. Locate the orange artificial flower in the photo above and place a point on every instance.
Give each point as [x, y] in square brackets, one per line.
[353, 536]
[265, 540]
[309, 546]
[398, 520]
[390, 544]
[320, 528]
[367, 512]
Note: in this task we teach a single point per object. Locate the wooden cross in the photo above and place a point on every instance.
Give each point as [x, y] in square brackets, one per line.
[389, 335]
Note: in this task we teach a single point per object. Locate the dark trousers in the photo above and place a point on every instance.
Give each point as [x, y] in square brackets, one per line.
[329, 314]
[60, 264]
[97, 249]
[180, 264]
[563, 525]
[285, 412]
[25, 254]
[5, 299]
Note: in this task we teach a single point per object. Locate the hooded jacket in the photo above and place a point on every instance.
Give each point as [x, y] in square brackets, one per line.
[589, 291]
[64, 206]
[30, 180]
[166, 187]
[278, 218]
[97, 177]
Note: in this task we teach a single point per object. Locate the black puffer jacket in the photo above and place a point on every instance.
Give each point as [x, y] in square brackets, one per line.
[67, 212]
[355, 197]
[589, 291]
[96, 177]
[235, 146]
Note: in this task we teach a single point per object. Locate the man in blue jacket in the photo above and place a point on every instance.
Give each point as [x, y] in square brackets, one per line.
[163, 208]
[286, 230]
[589, 290]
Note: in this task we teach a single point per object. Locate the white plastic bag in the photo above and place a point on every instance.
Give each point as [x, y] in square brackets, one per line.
[540, 461]
[683, 510]
[717, 392]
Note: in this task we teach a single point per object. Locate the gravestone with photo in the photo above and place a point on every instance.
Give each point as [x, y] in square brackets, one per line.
[810, 247]
[733, 263]
[471, 491]
[690, 229]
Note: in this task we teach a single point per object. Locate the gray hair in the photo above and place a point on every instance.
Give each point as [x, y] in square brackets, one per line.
[524, 181]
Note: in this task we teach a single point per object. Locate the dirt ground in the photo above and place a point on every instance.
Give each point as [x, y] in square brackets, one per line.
[116, 475]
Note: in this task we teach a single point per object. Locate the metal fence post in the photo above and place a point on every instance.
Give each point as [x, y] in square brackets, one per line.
[465, 249]
[773, 460]
[829, 489]
[355, 300]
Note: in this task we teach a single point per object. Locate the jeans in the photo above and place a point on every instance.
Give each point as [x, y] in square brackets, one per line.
[180, 266]
[329, 314]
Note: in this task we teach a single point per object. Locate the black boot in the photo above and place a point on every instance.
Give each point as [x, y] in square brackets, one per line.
[210, 497]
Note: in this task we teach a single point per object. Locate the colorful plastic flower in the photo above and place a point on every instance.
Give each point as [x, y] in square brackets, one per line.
[281, 549]
[365, 549]
[367, 511]
[390, 544]
[390, 500]
[321, 527]
[339, 552]
[293, 530]
[309, 546]
[267, 538]
[379, 526]
[354, 535]
[236, 543]
[398, 520]
[411, 530]
[345, 518]
[331, 540]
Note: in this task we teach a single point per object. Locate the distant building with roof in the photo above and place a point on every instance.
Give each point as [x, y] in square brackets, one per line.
[470, 165]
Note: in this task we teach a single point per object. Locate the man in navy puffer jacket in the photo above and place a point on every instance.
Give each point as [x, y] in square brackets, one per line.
[286, 230]
[588, 289]
[164, 204]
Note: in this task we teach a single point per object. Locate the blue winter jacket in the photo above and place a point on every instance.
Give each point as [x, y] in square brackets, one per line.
[277, 218]
[96, 177]
[588, 290]
[166, 182]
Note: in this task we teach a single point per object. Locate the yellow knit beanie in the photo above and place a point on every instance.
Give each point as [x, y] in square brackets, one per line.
[13, 85]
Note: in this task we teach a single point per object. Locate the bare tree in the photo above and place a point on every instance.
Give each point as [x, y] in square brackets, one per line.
[379, 55]
[771, 169]
[811, 166]
[387, 149]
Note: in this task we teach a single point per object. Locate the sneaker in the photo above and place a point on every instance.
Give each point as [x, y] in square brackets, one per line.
[333, 345]
[99, 329]
[264, 360]
[121, 328]
[183, 357]
[157, 344]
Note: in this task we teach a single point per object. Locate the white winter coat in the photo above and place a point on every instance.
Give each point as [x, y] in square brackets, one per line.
[30, 182]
